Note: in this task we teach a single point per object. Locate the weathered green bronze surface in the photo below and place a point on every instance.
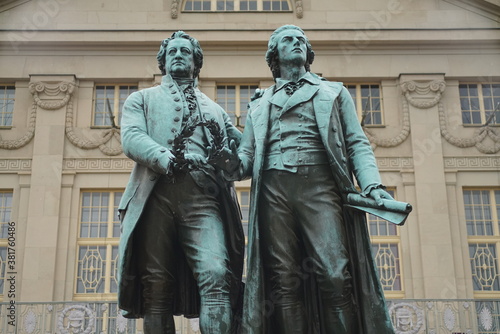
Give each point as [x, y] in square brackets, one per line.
[182, 245]
[310, 267]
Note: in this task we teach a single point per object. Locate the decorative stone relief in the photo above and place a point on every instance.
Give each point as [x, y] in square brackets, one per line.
[12, 165]
[406, 318]
[299, 9]
[486, 319]
[174, 9]
[50, 92]
[472, 162]
[449, 318]
[121, 323]
[76, 319]
[394, 163]
[97, 164]
[30, 322]
[423, 95]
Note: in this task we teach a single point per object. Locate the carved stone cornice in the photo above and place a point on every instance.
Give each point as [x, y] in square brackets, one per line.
[423, 94]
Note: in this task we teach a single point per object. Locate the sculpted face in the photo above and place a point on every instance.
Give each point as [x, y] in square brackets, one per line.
[179, 61]
[292, 48]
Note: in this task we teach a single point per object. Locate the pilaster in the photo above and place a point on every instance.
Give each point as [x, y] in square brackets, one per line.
[51, 95]
[422, 93]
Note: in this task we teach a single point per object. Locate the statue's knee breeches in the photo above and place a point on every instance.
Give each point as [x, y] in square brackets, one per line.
[214, 279]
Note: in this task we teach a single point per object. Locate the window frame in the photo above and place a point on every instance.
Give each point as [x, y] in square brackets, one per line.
[482, 110]
[3, 105]
[358, 102]
[109, 242]
[117, 112]
[236, 3]
[492, 239]
[237, 113]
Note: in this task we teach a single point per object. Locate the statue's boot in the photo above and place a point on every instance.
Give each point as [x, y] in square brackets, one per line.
[338, 318]
[291, 319]
[159, 324]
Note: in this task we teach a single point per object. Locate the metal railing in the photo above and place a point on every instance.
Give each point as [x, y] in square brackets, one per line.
[409, 316]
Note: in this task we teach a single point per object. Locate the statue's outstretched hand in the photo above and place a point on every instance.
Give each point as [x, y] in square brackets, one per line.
[378, 194]
[227, 159]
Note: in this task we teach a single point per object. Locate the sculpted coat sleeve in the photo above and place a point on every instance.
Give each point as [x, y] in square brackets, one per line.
[359, 151]
[246, 151]
[136, 142]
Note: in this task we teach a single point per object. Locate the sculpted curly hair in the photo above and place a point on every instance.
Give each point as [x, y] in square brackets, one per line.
[197, 52]
[272, 50]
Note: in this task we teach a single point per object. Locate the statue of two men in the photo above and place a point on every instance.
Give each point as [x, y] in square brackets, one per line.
[310, 268]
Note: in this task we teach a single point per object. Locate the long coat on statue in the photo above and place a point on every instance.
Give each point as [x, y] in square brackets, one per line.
[349, 153]
[150, 122]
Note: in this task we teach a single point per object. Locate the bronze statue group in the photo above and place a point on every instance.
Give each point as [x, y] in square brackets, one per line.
[309, 264]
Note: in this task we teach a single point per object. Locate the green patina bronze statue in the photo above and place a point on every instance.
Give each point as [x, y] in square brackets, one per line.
[182, 244]
[310, 267]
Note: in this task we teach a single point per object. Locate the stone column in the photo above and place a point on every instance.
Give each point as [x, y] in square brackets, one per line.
[51, 95]
[422, 92]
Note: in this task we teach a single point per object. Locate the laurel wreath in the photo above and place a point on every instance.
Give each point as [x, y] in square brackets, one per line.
[217, 141]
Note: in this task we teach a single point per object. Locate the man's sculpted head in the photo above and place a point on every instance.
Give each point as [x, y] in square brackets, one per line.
[272, 54]
[197, 52]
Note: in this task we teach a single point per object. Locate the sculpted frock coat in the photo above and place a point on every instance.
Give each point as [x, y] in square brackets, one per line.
[151, 119]
[349, 153]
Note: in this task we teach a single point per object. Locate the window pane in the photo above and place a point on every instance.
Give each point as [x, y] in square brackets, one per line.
[5, 212]
[6, 105]
[3, 262]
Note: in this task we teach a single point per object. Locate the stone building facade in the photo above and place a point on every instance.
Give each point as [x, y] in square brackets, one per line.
[425, 76]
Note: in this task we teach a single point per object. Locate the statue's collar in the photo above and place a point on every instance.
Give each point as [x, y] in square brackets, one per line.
[308, 77]
[167, 79]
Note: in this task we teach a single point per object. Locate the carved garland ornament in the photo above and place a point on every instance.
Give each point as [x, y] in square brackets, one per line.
[476, 140]
[87, 144]
[396, 140]
[51, 90]
[174, 9]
